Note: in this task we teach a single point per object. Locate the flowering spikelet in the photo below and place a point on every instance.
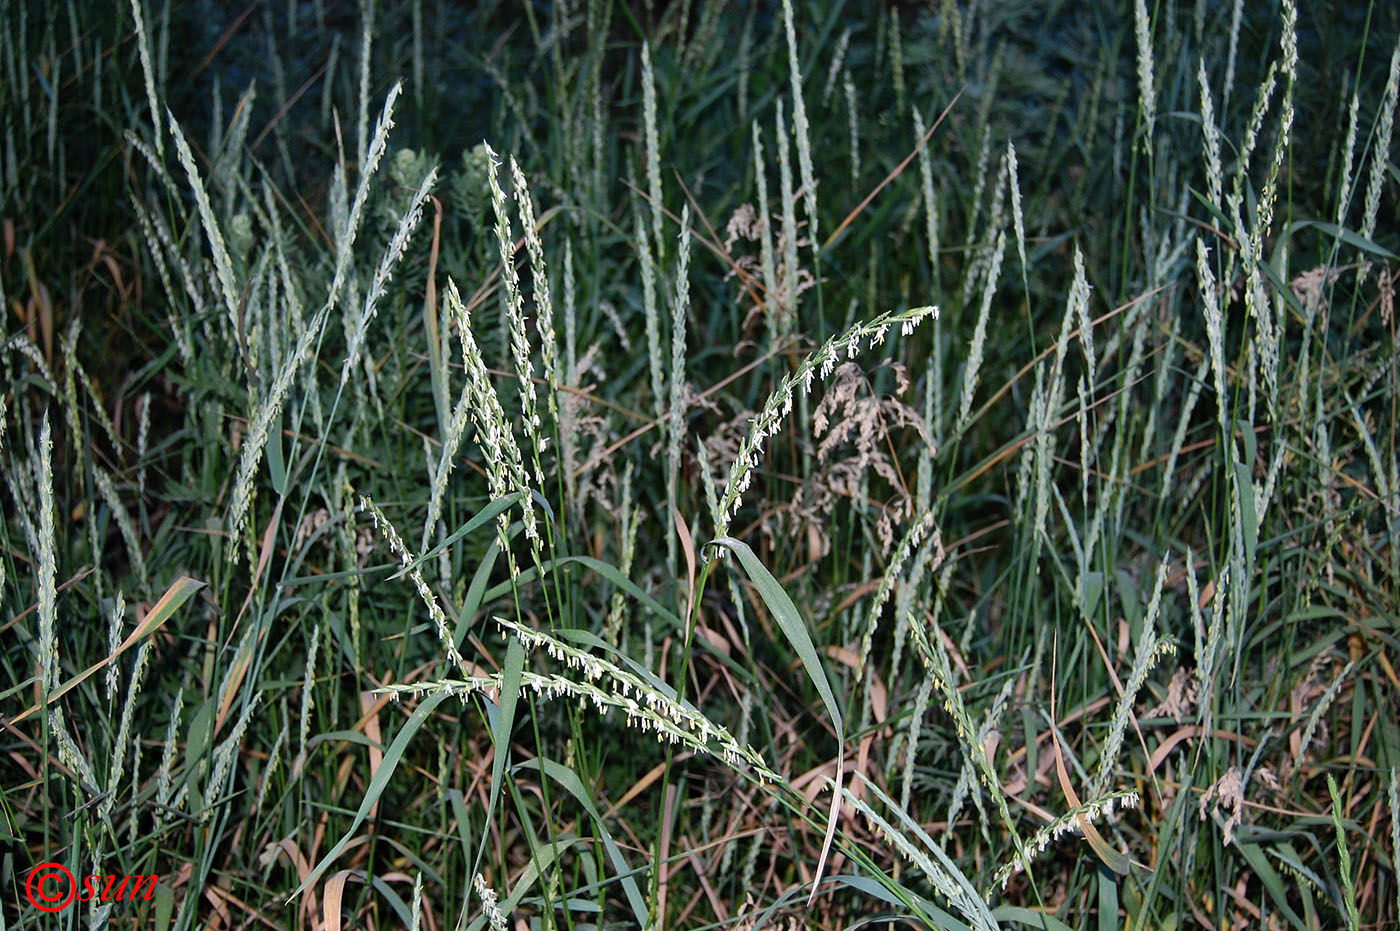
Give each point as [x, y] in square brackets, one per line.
[1068, 823]
[653, 146]
[1149, 650]
[48, 561]
[644, 701]
[800, 126]
[544, 304]
[819, 364]
[515, 313]
[505, 471]
[1147, 91]
[396, 545]
[912, 538]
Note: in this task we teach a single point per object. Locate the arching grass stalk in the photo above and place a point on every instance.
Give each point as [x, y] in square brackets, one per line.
[766, 423]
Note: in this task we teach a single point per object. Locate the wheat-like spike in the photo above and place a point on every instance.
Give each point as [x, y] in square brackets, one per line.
[223, 759]
[223, 263]
[838, 58]
[916, 729]
[515, 314]
[944, 875]
[1068, 823]
[1210, 137]
[406, 560]
[676, 416]
[308, 695]
[1395, 819]
[979, 334]
[820, 363]
[1235, 16]
[122, 516]
[629, 519]
[123, 736]
[1149, 650]
[114, 639]
[48, 560]
[271, 406]
[505, 471]
[1319, 709]
[143, 46]
[897, 60]
[931, 201]
[164, 780]
[1348, 153]
[393, 255]
[1018, 221]
[653, 149]
[69, 753]
[1380, 152]
[653, 318]
[848, 88]
[801, 127]
[544, 304]
[788, 300]
[911, 540]
[771, 307]
[1147, 90]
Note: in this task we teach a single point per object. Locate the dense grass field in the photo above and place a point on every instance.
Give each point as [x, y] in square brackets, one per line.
[699, 465]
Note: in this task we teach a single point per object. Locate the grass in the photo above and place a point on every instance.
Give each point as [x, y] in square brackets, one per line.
[577, 465]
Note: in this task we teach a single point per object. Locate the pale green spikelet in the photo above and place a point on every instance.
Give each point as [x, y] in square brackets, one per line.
[653, 149]
[1149, 650]
[820, 363]
[801, 127]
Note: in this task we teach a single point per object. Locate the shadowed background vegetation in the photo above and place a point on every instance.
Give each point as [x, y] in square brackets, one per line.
[964, 433]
